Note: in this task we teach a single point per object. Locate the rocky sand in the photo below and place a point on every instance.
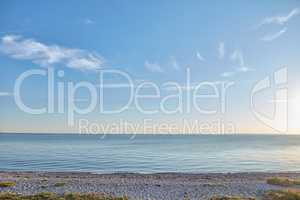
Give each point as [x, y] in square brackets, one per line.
[144, 186]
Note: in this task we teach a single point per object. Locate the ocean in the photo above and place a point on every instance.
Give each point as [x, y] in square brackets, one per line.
[149, 153]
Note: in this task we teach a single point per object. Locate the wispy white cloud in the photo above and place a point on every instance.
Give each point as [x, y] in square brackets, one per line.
[245, 69]
[274, 36]
[20, 48]
[199, 56]
[174, 64]
[153, 67]
[237, 57]
[89, 21]
[281, 19]
[228, 74]
[221, 50]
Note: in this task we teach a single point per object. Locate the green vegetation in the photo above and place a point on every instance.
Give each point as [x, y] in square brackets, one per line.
[271, 195]
[59, 184]
[231, 198]
[283, 181]
[7, 184]
[52, 196]
[282, 195]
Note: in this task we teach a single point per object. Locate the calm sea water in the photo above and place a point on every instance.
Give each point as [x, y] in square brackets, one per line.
[149, 153]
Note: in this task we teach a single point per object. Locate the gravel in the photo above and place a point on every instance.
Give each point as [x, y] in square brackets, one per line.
[166, 186]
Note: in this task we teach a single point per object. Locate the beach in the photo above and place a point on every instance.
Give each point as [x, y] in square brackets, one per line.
[149, 100]
[145, 186]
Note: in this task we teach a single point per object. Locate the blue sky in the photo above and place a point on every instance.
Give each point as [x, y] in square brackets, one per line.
[232, 41]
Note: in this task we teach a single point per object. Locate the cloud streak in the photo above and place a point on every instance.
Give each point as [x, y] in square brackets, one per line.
[237, 57]
[228, 74]
[199, 56]
[21, 48]
[89, 21]
[153, 67]
[221, 50]
[174, 63]
[274, 36]
[281, 19]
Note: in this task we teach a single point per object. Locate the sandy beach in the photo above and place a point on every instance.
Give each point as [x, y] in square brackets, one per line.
[145, 186]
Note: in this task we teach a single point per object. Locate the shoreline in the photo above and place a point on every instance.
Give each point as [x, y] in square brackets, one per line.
[66, 173]
[146, 186]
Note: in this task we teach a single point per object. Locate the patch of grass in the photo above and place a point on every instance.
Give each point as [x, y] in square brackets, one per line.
[282, 181]
[231, 198]
[7, 184]
[60, 184]
[91, 196]
[186, 197]
[282, 195]
[271, 195]
[52, 196]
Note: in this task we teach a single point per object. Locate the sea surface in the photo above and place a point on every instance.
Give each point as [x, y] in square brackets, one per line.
[149, 153]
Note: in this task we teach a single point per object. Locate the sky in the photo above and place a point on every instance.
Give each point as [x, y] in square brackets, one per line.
[226, 66]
